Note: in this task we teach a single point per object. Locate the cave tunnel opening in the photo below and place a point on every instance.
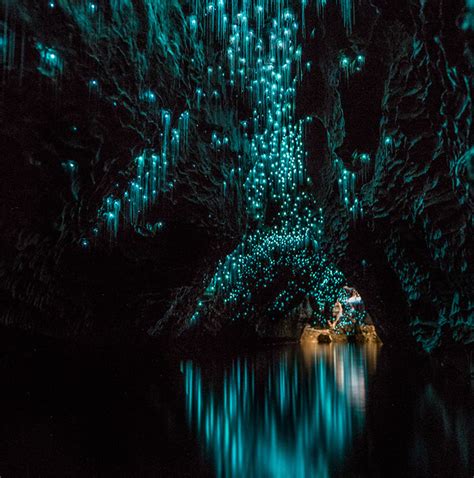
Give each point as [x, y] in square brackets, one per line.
[346, 320]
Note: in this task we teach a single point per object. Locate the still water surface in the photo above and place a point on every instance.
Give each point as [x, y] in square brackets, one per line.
[295, 411]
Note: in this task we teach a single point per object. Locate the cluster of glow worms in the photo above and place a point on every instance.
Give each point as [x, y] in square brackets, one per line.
[261, 63]
[351, 65]
[152, 176]
[264, 64]
[349, 179]
[288, 251]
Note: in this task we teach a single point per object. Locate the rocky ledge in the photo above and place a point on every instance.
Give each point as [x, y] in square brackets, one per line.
[362, 334]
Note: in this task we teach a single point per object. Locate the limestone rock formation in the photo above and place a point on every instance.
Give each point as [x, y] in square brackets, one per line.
[391, 108]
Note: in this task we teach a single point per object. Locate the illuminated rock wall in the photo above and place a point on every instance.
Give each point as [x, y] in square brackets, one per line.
[404, 126]
[172, 167]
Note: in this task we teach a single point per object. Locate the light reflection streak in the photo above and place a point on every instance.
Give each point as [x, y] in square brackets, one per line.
[280, 414]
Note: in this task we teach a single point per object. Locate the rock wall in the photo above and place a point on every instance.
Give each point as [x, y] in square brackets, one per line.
[408, 250]
[410, 109]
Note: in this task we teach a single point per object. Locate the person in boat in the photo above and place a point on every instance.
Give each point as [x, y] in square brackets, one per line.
[354, 301]
[337, 312]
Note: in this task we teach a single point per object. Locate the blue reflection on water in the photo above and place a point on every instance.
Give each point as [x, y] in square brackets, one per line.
[290, 413]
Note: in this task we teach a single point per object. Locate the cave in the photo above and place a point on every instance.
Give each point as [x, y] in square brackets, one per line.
[183, 180]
